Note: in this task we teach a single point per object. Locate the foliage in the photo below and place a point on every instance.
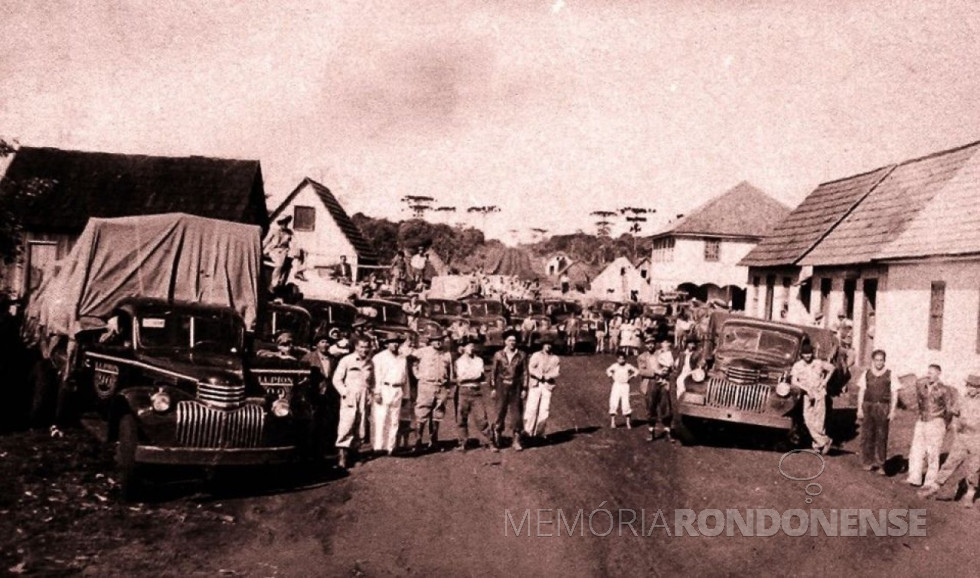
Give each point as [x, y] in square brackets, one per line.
[15, 198]
[452, 244]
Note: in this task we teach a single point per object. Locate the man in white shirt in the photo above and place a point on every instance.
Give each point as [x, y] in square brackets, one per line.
[811, 375]
[354, 380]
[619, 395]
[470, 372]
[391, 377]
[544, 367]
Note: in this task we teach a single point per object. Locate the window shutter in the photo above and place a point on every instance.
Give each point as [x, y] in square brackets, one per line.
[937, 303]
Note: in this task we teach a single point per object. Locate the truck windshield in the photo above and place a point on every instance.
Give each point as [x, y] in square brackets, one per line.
[529, 308]
[486, 308]
[168, 329]
[278, 320]
[757, 340]
[445, 308]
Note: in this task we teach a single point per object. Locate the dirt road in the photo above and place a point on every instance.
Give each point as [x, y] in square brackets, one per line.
[445, 513]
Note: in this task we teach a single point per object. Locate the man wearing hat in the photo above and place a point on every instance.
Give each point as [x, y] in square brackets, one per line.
[508, 382]
[470, 372]
[659, 363]
[877, 399]
[965, 449]
[354, 381]
[284, 348]
[391, 379]
[543, 369]
[321, 365]
[811, 375]
[276, 247]
[433, 371]
[688, 360]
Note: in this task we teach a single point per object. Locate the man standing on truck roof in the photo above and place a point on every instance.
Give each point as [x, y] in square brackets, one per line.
[276, 247]
[354, 380]
[811, 375]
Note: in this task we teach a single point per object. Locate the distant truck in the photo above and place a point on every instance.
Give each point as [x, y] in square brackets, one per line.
[748, 375]
[145, 323]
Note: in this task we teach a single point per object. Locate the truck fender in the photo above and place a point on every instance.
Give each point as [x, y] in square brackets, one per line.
[132, 400]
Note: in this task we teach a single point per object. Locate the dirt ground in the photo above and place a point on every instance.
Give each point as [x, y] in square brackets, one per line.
[444, 513]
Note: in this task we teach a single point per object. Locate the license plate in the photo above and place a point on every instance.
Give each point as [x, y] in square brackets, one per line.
[694, 398]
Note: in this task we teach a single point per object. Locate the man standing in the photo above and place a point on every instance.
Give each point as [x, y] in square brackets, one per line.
[659, 363]
[646, 363]
[344, 271]
[508, 388]
[418, 263]
[877, 400]
[543, 369]
[391, 376]
[354, 381]
[412, 309]
[572, 327]
[434, 373]
[811, 375]
[321, 366]
[934, 404]
[965, 449]
[469, 401]
[687, 361]
[276, 247]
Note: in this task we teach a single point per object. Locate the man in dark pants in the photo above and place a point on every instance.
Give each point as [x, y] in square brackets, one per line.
[469, 401]
[877, 400]
[508, 388]
[327, 403]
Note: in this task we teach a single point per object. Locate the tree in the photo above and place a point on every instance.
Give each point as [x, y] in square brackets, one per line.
[419, 205]
[603, 224]
[17, 198]
[484, 212]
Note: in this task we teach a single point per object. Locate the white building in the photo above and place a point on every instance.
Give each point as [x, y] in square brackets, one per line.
[620, 281]
[700, 252]
[897, 251]
[324, 231]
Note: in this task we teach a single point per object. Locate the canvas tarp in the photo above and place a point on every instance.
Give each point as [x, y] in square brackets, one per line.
[172, 256]
[453, 287]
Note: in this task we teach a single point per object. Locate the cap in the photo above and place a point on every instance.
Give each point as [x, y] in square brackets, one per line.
[806, 348]
[510, 333]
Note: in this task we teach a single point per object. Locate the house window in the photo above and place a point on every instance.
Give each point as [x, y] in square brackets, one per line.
[712, 250]
[304, 218]
[937, 302]
[663, 250]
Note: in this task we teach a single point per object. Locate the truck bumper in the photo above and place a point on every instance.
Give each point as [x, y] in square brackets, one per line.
[215, 456]
[736, 416]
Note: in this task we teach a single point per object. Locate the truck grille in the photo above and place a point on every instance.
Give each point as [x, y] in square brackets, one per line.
[200, 426]
[742, 375]
[221, 395]
[754, 397]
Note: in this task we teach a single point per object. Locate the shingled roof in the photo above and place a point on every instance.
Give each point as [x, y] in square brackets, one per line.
[365, 253]
[742, 211]
[813, 219]
[76, 185]
[879, 226]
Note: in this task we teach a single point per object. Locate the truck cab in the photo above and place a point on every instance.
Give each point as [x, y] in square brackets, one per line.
[748, 374]
[172, 380]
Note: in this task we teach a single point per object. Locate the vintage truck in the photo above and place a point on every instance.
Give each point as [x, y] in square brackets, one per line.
[144, 326]
[748, 373]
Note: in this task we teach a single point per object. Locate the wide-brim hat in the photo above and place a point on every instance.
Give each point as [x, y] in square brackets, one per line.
[511, 333]
[434, 335]
[649, 338]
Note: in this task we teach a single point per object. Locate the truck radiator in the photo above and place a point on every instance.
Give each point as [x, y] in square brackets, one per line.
[200, 426]
[753, 397]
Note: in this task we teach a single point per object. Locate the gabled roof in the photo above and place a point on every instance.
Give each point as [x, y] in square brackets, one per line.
[742, 211]
[948, 225]
[812, 220]
[365, 253]
[76, 185]
[877, 227]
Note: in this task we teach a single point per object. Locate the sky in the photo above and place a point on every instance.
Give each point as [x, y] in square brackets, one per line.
[548, 110]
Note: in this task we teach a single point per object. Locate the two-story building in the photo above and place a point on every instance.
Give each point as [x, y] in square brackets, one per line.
[700, 252]
[71, 186]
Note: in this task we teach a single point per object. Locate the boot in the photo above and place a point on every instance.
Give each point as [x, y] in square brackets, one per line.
[434, 436]
[418, 439]
[612, 422]
[342, 458]
[967, 499]
[516, 444]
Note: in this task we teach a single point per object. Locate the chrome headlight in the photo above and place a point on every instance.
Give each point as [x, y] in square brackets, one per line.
[782, 389]
[160, 401]
[280, 407]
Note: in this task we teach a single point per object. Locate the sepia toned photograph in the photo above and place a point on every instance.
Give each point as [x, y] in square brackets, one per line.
[297, 288]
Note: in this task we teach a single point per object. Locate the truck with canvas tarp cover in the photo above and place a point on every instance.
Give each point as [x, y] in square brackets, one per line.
[145, 323]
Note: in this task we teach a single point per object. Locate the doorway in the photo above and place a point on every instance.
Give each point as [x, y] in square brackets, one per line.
[869, 320]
